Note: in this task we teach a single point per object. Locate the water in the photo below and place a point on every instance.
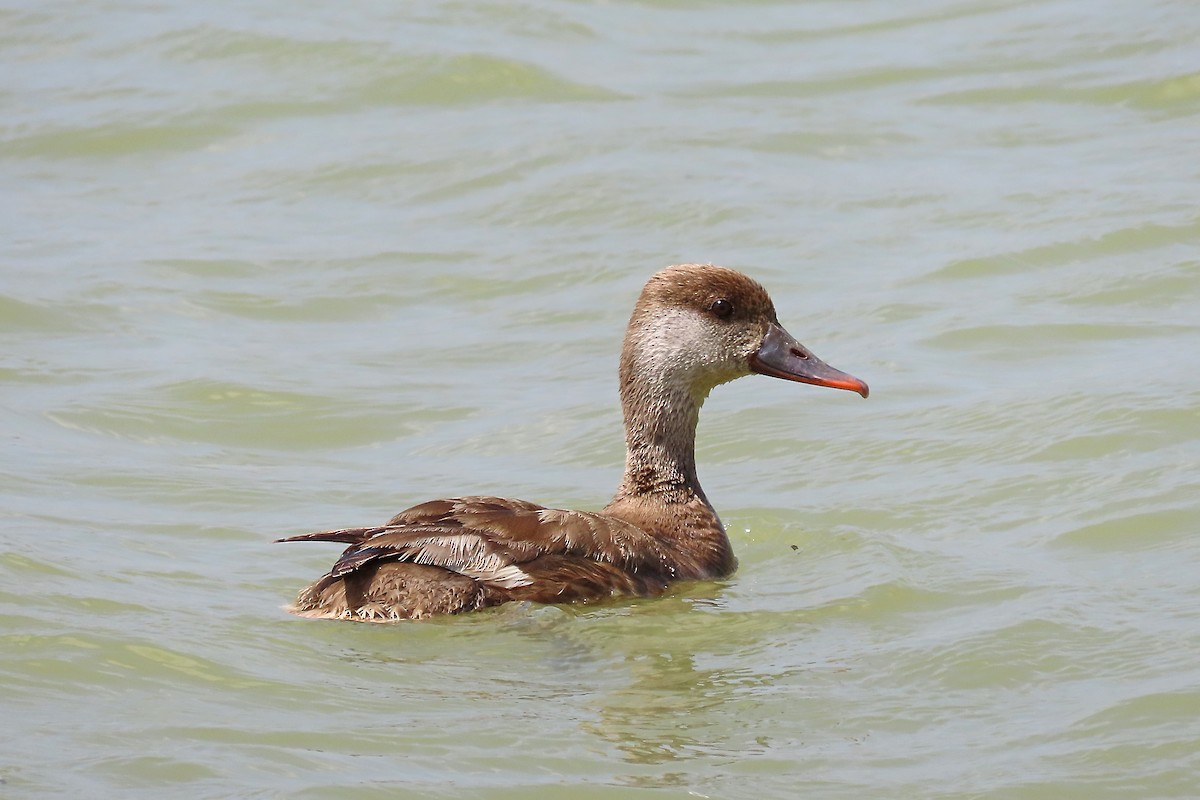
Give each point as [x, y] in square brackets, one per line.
[270, 268]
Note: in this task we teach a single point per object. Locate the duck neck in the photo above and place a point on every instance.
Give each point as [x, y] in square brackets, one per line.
[660, 439]
[662, 389]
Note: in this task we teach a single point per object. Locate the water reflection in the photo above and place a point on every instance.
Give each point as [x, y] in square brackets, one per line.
[671, 709]
[684, 675]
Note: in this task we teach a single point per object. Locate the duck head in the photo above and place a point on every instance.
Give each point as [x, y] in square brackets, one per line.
[697, 326]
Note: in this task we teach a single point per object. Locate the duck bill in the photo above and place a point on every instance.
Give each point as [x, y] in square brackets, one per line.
[781, 356]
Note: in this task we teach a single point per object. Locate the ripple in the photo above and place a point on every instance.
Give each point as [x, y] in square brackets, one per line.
[1176, 95]
[1132, 239]
[118, 139]
[1134, 531]
[235, 414]
[374, 73]
[1016, 340]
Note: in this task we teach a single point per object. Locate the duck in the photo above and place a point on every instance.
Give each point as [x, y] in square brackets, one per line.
[693, 328]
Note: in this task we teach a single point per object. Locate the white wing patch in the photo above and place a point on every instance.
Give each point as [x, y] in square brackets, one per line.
[470, 555]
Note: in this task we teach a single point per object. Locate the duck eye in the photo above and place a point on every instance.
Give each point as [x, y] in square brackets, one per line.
[722, 308]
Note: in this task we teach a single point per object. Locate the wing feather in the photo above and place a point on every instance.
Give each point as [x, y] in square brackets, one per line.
[490, 539]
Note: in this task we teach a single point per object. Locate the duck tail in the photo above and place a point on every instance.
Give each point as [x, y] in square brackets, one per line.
[343, 535]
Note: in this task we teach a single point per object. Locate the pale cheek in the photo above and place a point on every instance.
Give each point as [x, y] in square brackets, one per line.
[675, 342]
[686, 345]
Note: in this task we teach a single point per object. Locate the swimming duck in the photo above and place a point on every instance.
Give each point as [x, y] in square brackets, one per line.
[694, 327]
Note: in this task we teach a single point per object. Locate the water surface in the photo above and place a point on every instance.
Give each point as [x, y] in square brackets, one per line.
[267, 269]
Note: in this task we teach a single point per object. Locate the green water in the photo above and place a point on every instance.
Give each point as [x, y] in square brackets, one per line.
[273, 268]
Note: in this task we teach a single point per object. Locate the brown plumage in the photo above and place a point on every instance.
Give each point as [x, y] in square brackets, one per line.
[694, 327]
